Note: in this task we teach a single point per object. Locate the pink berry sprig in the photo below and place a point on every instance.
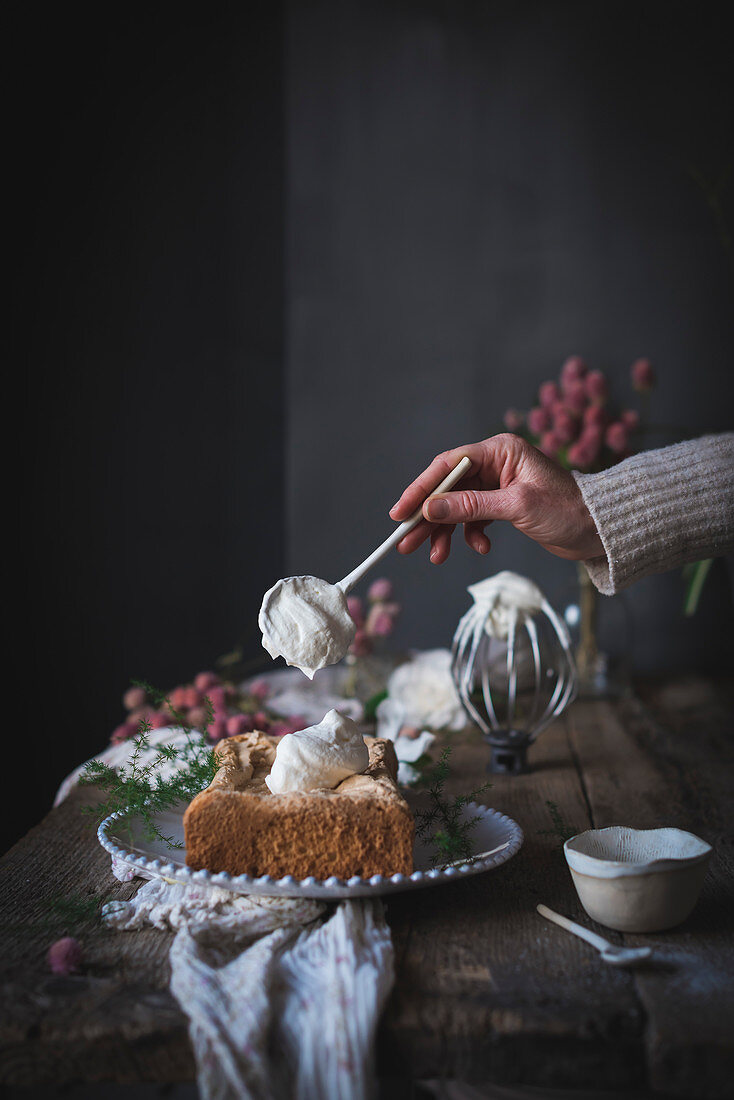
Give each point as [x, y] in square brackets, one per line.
[572, 421]
[208, 704]
[373, 620]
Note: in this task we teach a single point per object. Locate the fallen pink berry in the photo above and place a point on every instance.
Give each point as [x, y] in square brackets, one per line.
[65, 956]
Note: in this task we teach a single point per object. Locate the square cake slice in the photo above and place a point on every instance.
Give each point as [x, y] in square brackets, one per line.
[362, 827]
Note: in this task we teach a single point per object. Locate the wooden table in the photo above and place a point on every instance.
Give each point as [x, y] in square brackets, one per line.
[485, 990]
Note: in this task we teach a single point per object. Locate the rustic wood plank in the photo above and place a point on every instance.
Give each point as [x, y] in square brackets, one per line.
[116, 1020]
[642, 772]
[485, 987]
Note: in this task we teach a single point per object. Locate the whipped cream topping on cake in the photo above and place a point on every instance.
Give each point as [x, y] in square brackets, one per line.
[504, 597]
[306, 621]
[319, 756]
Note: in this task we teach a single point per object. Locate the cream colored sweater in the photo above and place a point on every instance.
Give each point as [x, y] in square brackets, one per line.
[660, 509]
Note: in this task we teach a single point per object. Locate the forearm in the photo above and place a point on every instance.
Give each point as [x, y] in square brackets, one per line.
[660, 509]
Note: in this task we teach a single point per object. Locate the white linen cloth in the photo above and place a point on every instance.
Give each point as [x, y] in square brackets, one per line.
[283, 995]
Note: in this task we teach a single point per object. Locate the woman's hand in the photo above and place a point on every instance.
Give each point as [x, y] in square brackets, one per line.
[510, 480]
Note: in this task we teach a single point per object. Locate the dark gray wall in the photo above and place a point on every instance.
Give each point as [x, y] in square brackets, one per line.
[476, 191]
[149, 173]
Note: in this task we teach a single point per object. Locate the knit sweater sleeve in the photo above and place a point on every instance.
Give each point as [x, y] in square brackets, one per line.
[660, 509]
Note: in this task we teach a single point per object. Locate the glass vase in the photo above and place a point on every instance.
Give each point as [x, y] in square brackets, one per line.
[601, 632]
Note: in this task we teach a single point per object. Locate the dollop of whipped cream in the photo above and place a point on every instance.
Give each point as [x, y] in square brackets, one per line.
[306, 621]
[504, 597]
[319, 756]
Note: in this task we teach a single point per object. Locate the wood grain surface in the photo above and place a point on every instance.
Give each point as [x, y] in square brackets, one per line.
[485, 989]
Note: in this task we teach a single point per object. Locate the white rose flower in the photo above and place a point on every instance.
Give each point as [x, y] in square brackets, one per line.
[422, 693]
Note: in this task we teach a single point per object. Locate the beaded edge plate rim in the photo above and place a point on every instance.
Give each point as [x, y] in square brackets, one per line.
[507, 844]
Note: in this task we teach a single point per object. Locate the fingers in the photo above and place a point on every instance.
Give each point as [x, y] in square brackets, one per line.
[415, 538]
[475, 537]
[432, 476]
[441, 543]
[471, 506]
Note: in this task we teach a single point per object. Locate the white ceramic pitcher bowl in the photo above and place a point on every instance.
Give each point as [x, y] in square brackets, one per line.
[637, 880]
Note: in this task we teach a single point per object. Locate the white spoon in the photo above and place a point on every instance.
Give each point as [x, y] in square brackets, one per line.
[617, 956]
[306, 620]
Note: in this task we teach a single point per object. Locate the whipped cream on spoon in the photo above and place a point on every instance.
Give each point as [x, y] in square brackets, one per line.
[306, 619]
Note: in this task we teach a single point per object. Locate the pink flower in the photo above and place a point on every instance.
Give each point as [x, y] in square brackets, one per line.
[539, 420]
[573, 370]
[631, 419]
[579, 456]
[134, 697]
[354, 607]
[178, 698]
[565, 426]
[238, 723]
[218, 728]
[595, 416]
[591, 439]
[65, 956]
[124, 732]
[197, 718]
[513, 419]
[218, 699]
[160, 720]
[280, 729]
[597, 389]
[550, 444]
[141, 712]
[548, 394]
[380, 590]
[261, 720]
[192, 697]
[260, 689]
[380, 624]
[575, 396]
[205, 680]
[361, 645]
[643, 375]
[616, 437]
